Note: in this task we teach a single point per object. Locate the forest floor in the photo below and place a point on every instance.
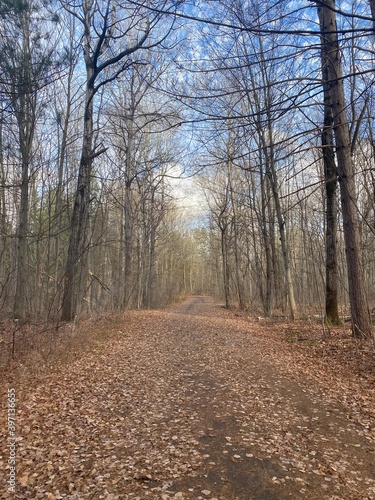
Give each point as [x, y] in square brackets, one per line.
[196, 402]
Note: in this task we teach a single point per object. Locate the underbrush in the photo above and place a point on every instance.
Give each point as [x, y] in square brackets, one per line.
[30, 349]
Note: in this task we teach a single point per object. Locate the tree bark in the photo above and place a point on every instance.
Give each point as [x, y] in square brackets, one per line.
[76, 265]
[223, 225]
[272, 177]
[20, 299]
[372, 6]
[152, 254]
[24, 104]
[361, 324]
[330, 177]
[128, 212]
[235, 221]
[266, 223]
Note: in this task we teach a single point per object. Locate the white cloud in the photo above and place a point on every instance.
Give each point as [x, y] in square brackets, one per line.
[188, 195]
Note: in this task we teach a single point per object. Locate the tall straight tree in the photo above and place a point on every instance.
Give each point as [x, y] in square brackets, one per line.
[330, 177]
[112, 34]
[361, 324]
[24, 62]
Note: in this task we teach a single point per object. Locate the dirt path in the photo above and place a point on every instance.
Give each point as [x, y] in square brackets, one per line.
[187, 403]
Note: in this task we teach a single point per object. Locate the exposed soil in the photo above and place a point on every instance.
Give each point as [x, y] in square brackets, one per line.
[188, 403]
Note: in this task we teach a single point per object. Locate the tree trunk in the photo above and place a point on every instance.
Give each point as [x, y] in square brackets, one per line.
[120, 261]
[266, 225]
[372, 6]
[25, 106]
[20, 299]
[152, 255]
[76, 266]
[224, 254]
[240, 291]
[128, 207]
[331, 308]
[271, 173]
[330, 177]
[361, 324]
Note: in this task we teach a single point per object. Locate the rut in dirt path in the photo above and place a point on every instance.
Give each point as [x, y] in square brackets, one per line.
[187, 403]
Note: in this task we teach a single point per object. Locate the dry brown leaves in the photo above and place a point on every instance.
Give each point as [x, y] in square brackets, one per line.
[196, 402]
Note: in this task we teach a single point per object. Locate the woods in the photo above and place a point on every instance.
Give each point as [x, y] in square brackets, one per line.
[105, 105]
[187, 249]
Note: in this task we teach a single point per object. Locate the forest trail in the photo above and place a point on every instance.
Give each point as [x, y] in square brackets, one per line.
[190, 402]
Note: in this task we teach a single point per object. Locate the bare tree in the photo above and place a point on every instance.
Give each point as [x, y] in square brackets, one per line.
[104, 24]
[331, 60]
[330, 177]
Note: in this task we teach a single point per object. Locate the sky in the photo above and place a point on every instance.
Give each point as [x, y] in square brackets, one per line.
[189, 197]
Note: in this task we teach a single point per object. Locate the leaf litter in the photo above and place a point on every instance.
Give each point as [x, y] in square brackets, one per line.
[196, 402]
